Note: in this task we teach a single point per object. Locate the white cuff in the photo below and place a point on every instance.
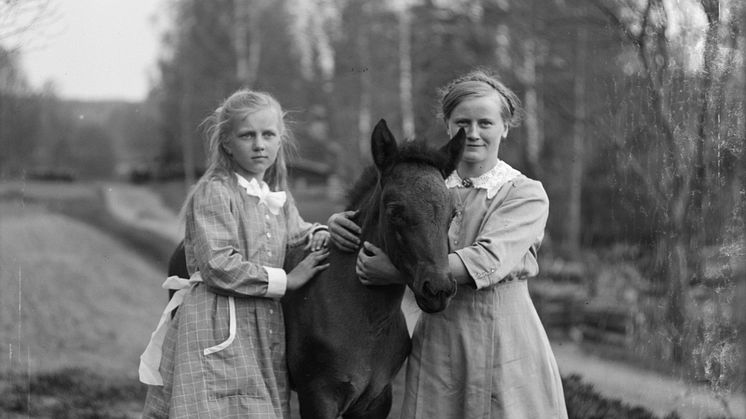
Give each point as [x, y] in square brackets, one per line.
[278, 282]
[319, 227]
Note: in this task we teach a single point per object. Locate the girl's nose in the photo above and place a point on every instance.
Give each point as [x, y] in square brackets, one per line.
[258, 144]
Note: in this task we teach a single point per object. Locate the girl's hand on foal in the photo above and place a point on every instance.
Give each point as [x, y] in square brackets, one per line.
[318, 241]
[307, 268]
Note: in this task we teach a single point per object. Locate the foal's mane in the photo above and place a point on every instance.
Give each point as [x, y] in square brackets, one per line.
[417, 152]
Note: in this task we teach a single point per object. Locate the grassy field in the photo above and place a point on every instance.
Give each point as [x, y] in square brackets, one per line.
[76, 308]
[72, 295]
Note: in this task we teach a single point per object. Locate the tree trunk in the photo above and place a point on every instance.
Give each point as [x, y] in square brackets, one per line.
[255, 50]
[334, 138]
[366, 85]
[247, 41]
[241, 38]
[677, 274]
[534, 134]
[699, 204]
[185, 133]
[677, 268]
[573, 225]
[405, 73]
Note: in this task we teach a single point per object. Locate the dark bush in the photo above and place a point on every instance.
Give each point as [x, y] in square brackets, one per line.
[584, 403]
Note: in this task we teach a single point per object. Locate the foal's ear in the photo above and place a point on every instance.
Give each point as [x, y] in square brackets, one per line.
[383, 145]
[453, 150]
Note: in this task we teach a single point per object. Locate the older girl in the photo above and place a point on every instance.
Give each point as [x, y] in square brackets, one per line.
[487, 354]
[223, 354]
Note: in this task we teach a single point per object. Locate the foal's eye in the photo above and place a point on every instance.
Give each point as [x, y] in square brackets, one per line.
[395, 213]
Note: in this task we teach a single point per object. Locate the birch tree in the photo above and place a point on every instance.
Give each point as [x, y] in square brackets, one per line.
[402, 8]
[248, 38]
[574, 221]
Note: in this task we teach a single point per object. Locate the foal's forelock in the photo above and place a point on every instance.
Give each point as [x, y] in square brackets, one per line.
[415, 152]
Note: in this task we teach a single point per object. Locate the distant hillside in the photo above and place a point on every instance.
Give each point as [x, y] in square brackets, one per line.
[71, 294]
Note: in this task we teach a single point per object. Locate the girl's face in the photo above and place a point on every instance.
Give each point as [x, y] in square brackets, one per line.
[254, 143]
[481, 118]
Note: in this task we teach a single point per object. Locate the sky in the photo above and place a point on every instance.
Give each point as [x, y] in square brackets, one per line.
[96, 49]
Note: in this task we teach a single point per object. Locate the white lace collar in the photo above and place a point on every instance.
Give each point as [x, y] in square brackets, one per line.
[491, 181]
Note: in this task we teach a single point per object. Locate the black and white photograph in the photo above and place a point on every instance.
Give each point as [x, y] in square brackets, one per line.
[373, 209]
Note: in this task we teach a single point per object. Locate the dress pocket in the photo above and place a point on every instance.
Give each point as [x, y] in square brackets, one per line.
[230, 365]
[231, 330]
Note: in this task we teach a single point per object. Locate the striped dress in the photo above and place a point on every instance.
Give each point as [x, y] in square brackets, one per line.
[209, 370]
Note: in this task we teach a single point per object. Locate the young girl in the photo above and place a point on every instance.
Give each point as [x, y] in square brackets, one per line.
[223, 354]
[487, 354]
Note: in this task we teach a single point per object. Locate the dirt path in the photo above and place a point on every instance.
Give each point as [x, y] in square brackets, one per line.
[141, 207]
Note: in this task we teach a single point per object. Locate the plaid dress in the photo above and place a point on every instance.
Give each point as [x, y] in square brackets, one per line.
[230, 238]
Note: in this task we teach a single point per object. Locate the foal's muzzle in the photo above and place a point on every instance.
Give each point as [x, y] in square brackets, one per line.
[434, 298]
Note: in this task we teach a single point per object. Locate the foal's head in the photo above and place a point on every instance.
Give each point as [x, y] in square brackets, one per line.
[415, 210]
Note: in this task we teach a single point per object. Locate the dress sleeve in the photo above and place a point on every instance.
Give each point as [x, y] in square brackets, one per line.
[509, 235]
[299, 230]
[213, 230]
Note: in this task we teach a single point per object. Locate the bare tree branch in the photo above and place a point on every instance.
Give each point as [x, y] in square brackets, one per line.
[18, 18]
[655, 85]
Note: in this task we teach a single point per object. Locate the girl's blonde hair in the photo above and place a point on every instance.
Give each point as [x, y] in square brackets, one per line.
[219, 128]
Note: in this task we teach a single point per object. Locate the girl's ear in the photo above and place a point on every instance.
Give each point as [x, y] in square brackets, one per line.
[226, 150]
[505, 132]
